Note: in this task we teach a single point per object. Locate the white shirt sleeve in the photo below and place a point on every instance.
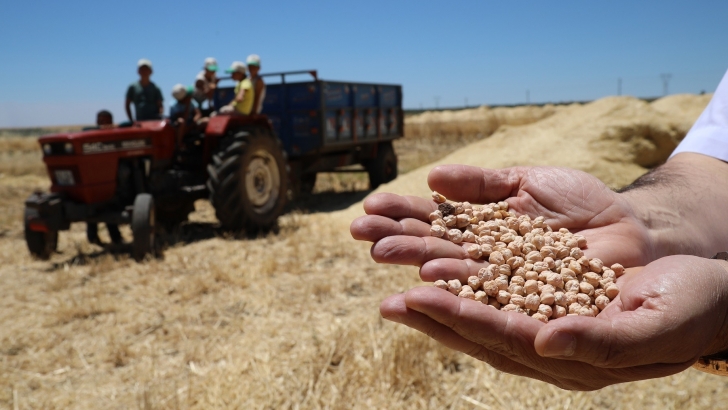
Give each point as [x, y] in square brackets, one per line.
[709, 134]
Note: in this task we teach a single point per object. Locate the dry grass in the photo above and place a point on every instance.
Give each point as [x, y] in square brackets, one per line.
[286, 321]
[20, 156]
[20, 153]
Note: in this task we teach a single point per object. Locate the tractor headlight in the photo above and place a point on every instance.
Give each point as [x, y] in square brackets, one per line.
[47, 149]
[68, 148]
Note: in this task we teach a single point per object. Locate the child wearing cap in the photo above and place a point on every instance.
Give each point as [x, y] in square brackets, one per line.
[183, 110]
[145, 95]
[244, 93]
[257, 81]
[183, 113]
[205, 84]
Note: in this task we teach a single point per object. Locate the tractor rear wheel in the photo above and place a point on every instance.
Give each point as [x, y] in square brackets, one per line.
[40, 244]
[383, 168]
[248, 181]
[143, 223]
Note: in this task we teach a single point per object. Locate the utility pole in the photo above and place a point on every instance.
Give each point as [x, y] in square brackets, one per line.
[665, 82]
[466, 102]
[619, 86]
[437, 101]
[528, 96]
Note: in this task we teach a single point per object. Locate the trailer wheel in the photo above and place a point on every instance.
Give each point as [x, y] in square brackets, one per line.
[248, 182]
[383, 168]
[308, 182]
[143, 227]
[40, 244]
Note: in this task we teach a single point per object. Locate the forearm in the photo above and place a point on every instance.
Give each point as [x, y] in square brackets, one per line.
[682, 204]
[240, 97]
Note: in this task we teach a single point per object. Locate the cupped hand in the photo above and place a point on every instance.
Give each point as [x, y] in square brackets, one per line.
[567, 198]
[664, 318]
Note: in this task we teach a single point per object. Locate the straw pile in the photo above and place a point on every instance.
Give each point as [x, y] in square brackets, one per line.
[616, 139]
[291, 321]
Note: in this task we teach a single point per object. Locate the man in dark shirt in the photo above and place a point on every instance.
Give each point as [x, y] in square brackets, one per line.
[145, 95]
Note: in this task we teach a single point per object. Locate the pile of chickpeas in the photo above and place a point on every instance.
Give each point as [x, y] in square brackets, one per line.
[533, 269]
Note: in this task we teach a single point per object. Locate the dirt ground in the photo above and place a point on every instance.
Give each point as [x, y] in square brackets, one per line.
[290, 320]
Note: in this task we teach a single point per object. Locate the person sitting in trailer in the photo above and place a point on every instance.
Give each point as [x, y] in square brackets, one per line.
[257, 81]
[205, 85]
[242, 103]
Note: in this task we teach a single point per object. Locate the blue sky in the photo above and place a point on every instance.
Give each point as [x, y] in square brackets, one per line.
[60, 62]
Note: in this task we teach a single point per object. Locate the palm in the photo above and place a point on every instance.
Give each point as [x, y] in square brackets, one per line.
[580, 202]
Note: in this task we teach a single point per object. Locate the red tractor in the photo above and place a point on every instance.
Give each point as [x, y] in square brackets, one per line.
[245, 165]
[136, 175]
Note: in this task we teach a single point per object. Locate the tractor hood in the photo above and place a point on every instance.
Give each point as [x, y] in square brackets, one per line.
[83, 165]
[139, 135]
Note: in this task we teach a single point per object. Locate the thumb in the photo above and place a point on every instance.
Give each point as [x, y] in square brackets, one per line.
[629, 341]
[474, 184]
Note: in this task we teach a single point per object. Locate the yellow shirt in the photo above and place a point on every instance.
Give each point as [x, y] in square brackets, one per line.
[245, 106]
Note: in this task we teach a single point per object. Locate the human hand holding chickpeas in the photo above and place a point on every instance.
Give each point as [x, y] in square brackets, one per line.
[641, 334]
[655, 327]
[567, 198]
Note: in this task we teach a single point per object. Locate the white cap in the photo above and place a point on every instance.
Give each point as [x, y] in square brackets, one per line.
[210, 64]
[144, 62]
[253, 59]
[180, 91]
[237, 67]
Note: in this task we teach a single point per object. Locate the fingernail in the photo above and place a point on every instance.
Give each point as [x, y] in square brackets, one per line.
[561, 344]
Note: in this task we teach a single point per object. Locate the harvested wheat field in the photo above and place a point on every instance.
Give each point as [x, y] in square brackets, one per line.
[290, 321]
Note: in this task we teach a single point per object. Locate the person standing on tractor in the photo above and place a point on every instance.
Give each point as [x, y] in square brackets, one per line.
[244, 93]
[183, 111]
[145, 95]
[257, 81]
[205, 85]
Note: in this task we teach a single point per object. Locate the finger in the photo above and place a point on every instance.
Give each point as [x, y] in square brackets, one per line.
[616, 342]
[610, 245]
[397, 207]
[374, 227]
[448, 268]
[474, 184]
[508, 333]
[614, 251]
[512, 334]
[395, 309]
[410, 250]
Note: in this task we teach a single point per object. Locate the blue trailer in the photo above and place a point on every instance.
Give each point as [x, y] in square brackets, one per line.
[325, 126]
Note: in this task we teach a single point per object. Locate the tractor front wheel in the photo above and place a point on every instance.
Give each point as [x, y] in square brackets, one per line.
[143, 225]
[41, 244]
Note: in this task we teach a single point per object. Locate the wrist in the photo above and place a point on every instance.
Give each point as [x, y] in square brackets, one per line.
[670, 229]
